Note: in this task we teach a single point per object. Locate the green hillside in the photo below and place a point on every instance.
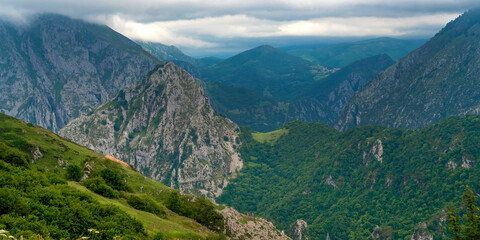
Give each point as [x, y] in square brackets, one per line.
[342, 54]
[346, 183]
[40, 196]
[265, 70]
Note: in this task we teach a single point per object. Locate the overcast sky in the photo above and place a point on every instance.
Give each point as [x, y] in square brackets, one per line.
[216, 27]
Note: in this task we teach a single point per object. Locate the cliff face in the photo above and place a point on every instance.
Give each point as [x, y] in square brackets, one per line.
[165, 127]
[437, 80]
[56, 68]
[239, 226]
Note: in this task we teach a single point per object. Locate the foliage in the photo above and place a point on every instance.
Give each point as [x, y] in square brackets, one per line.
[37, 202]
[340, 184]
[146, 204]
[31, 202]
[74, 172]
[470, 229]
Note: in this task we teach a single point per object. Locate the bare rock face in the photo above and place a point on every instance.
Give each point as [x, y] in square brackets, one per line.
[298, 230]
[421, 233]
[165, 127]
[55, 69]
[239, 226]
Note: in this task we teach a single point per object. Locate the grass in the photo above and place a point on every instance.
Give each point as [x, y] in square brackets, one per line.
[269, 137]
[173, 225]
[54, 148]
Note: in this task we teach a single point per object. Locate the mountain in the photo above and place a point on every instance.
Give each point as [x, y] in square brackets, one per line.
[164, 52]
[324, 99]
[56, 68]
[435, 81]
[318, 100]
[367, 181]
[165, 127]
[51, 188]
[194, 66]
[340, 55]
[265, 70]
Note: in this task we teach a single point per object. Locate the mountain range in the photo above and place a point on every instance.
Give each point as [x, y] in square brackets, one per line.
[171, 122]
[57, 68]
[437, 80]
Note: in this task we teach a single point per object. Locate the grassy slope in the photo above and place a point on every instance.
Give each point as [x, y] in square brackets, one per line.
[55, 149]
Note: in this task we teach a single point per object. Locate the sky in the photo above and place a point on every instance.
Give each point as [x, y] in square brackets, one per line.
[225, 27]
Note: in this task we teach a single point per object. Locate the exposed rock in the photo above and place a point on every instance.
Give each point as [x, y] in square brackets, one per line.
[377, 150]
[299, 230]
[421, 233]
[451, 164]
[382, 233]
[56, 68]
[164, 126]
[437, 80]
[466, 163]
[36, 154]
[239, 226]
[330, 182]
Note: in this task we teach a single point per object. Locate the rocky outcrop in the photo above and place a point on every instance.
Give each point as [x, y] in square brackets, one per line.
[421, 233]
[299, 230]
[55, 69]
[435, 81]
[165, 127]
[239, 226]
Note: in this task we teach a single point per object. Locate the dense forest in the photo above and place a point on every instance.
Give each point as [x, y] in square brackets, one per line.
[346, 183]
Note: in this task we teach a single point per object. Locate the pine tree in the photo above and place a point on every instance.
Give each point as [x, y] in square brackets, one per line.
[470, 228]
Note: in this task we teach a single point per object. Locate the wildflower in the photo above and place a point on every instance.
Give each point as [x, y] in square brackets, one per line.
[3, 231]
[97, 232]
[90, 230]
[3, 235]
[12, 237]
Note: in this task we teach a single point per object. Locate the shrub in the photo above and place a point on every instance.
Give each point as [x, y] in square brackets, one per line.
[74, 172]
[146, 204]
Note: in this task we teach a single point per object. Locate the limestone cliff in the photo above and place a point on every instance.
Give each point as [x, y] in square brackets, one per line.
[165, 127]
[55, 69]
[239, 226]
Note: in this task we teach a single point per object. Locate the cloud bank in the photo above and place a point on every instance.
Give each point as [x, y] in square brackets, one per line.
[213, 25]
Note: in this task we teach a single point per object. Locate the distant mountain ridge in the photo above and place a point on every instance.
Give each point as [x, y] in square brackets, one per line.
[57, 68]
[343, 54]
[437, 80]
[311, 100]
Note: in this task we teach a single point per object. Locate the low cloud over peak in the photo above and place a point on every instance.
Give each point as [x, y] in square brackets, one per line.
[215, 25]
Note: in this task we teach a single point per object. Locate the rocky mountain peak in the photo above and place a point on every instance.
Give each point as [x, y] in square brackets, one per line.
[55, 68]
[165, 127]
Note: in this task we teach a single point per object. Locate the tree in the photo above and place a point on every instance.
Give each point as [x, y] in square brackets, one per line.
[470, 228]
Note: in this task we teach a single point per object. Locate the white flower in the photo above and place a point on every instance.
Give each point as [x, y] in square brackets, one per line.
[3, 235]
[90, 230]
[12, 237]
[3, 231]
[97, 232]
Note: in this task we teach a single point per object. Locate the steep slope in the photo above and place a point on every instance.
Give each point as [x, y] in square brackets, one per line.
[164, 126]
[324, 99]
[343, 54]
[265, 70]
[167, 53]
[363, 182]
[102, 199]
[319, 100]
[57, 68]
[437, 80]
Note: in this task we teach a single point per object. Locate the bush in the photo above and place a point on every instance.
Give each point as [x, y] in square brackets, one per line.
[74, 172]
[13, 156]
[146, 204]
[98, 185]
[114, 179]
